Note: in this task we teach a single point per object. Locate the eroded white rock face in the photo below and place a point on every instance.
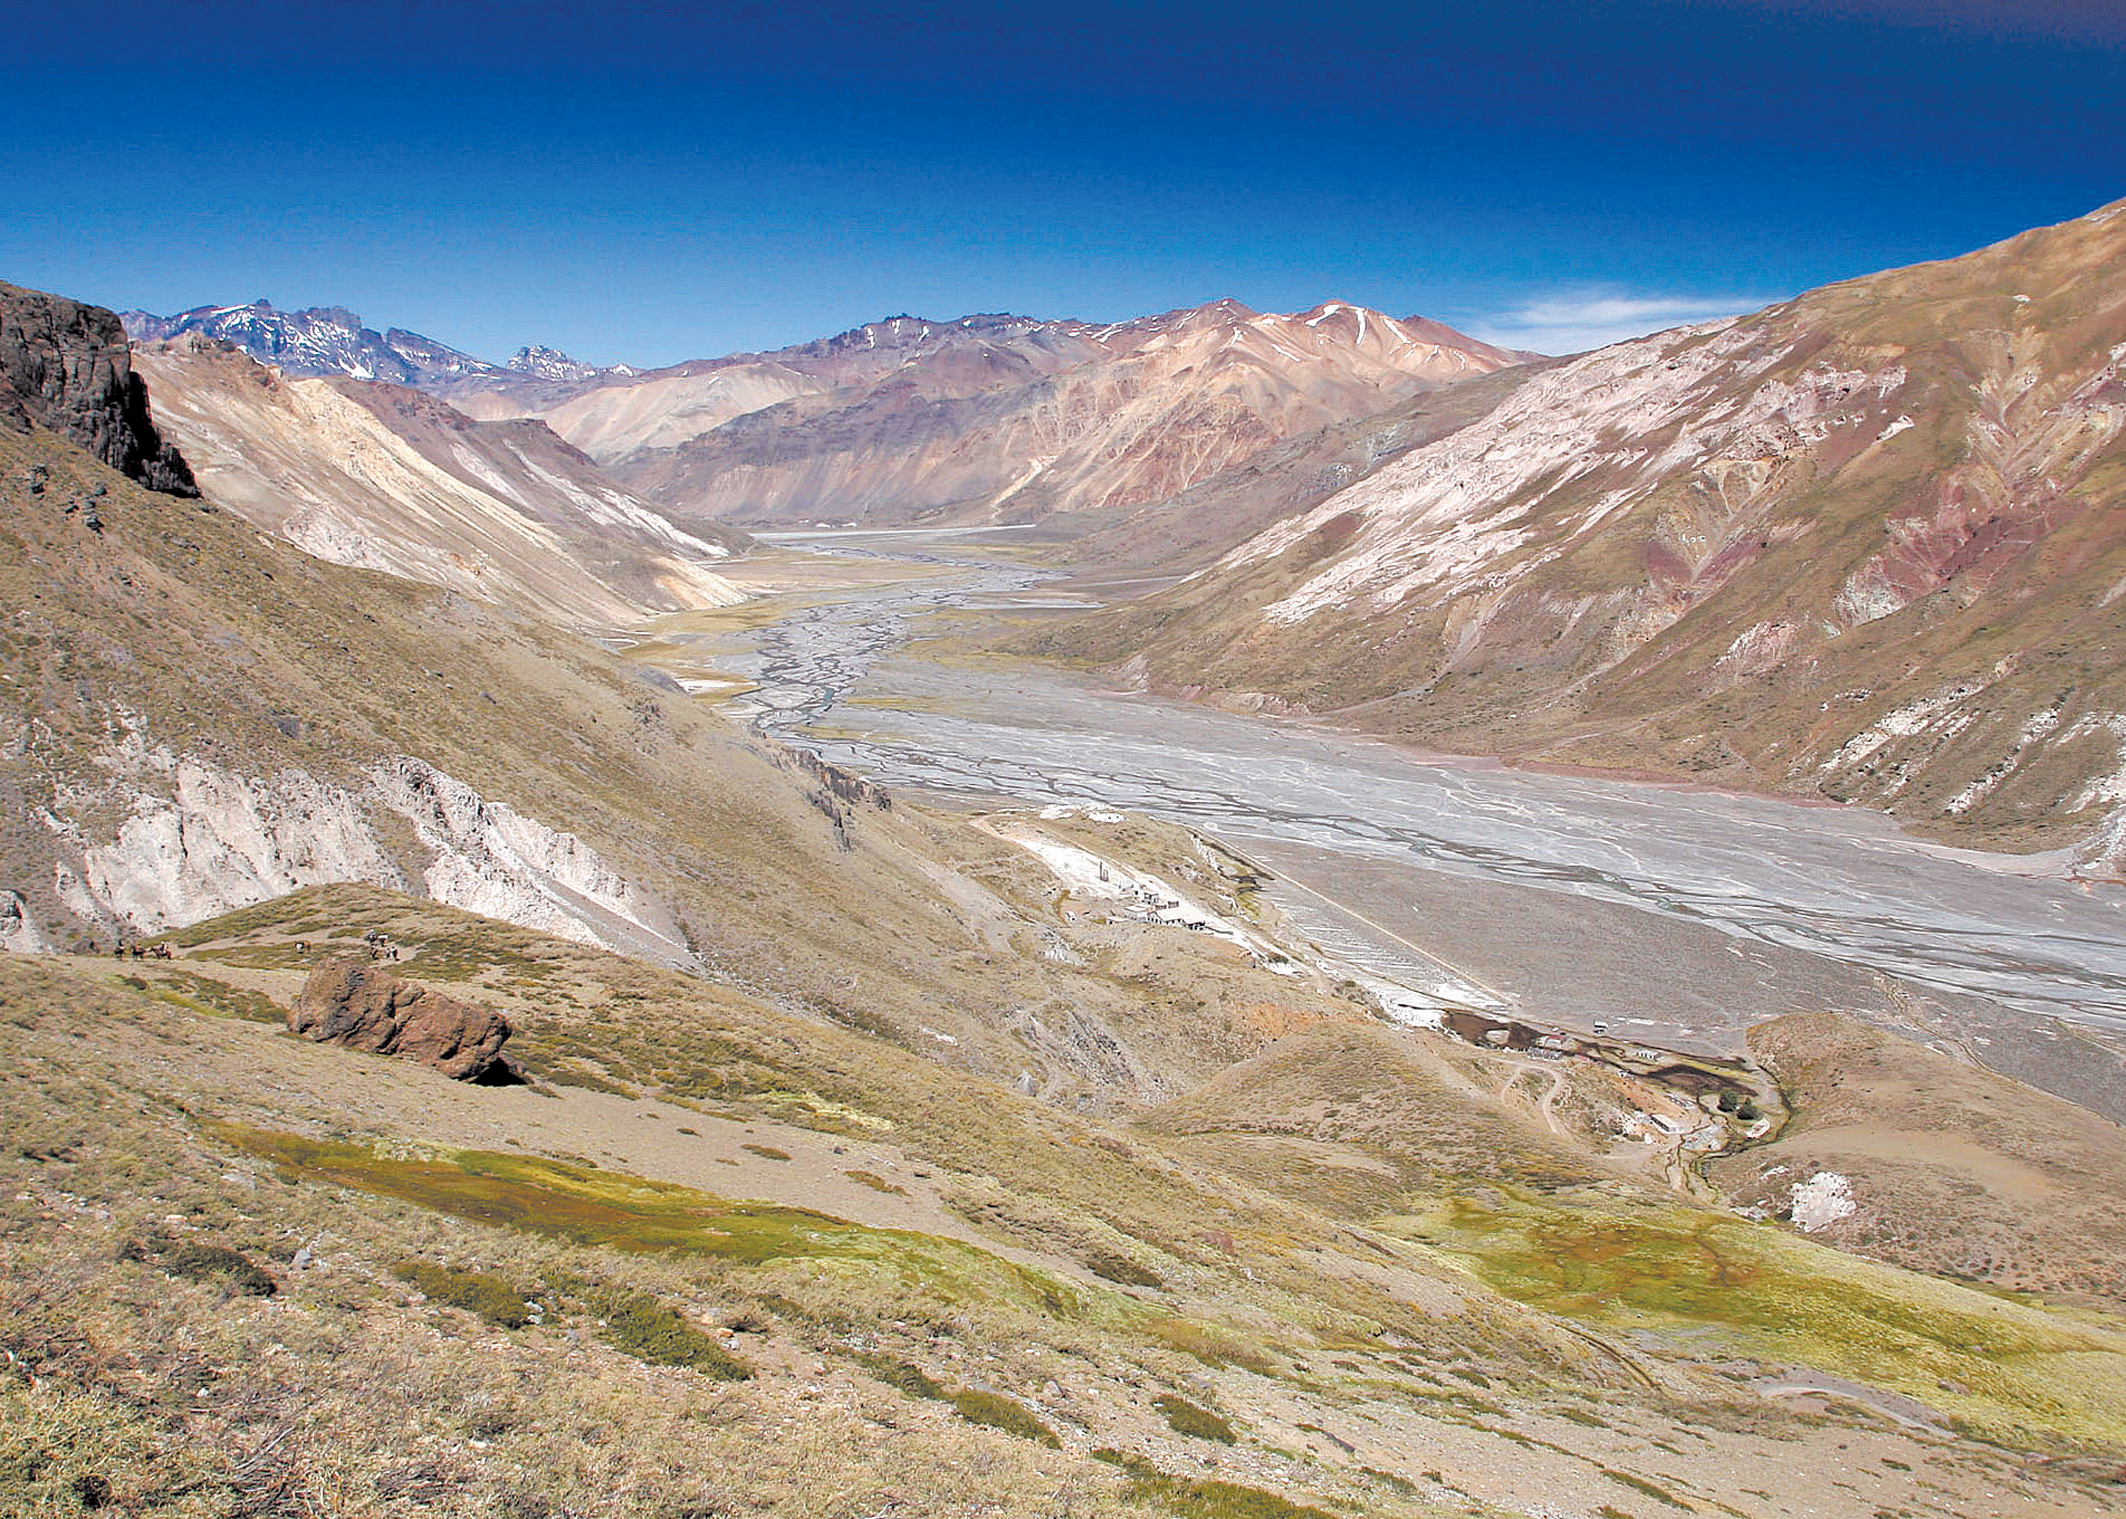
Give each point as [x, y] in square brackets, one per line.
[1459, 509]
[220, 841]
[19, 933]
[493, 860]
[1822, 1201]
[195, 841]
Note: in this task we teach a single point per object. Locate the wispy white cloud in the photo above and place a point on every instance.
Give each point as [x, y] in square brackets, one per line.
[1572, 321]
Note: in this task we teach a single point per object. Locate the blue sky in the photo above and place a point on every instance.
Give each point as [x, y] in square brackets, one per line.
[654, 181]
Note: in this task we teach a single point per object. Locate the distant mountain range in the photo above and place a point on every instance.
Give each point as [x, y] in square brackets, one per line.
[985, 418]
[995, 419]
[324, 341]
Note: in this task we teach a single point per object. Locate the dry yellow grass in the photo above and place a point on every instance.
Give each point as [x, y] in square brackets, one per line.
[1297, 1317]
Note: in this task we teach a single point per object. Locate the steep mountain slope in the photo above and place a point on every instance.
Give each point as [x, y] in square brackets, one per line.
[997, 418]
[386, 478]
[1187, 532]
[195, 717]
[1865, 544]
[65, 366]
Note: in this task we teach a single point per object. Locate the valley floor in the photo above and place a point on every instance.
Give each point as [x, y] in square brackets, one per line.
[1686, 916]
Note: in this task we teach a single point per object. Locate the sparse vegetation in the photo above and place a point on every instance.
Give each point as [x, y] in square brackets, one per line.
[204, 1262]
[1653, 1490]
[1193, 1420]
[876, 1314]
[499, 1302]
[1206, 1499]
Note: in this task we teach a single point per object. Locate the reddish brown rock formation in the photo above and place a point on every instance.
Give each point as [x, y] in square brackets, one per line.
[353, 1002]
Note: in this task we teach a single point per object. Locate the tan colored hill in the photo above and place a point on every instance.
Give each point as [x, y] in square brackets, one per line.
[1942, 1165]
[1863, 545]
[995, 419]
[385, 478]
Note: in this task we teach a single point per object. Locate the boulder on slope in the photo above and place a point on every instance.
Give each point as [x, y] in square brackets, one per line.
[353, 1002]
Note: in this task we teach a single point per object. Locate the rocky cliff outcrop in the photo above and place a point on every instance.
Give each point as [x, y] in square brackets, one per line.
[360, 1005]
[66, 367]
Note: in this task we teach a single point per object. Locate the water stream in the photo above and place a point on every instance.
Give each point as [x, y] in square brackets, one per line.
[1844, 884]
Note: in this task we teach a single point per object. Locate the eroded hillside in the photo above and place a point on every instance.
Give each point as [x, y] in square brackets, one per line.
[1862, 545]
[385, 478]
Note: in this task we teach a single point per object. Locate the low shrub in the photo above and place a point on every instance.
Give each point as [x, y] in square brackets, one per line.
[911, 1381]
[494, 1299]
[1186, 1418]
[655, 1332]
[1007, 1414]
[209, 1262]
[1114, 1267]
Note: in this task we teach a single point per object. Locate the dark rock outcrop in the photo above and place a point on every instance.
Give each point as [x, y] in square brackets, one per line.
[351, 1001]
[66, 366]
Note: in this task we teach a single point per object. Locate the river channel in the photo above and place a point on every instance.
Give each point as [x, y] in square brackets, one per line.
[1581, 897]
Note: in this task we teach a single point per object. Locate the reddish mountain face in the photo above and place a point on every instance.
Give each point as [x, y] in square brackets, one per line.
[994, 418]
[1869, 545]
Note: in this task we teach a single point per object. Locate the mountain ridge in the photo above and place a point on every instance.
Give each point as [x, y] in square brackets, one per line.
[987, 416]
[1855, 545]
[386, 477]
[1004, 420]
